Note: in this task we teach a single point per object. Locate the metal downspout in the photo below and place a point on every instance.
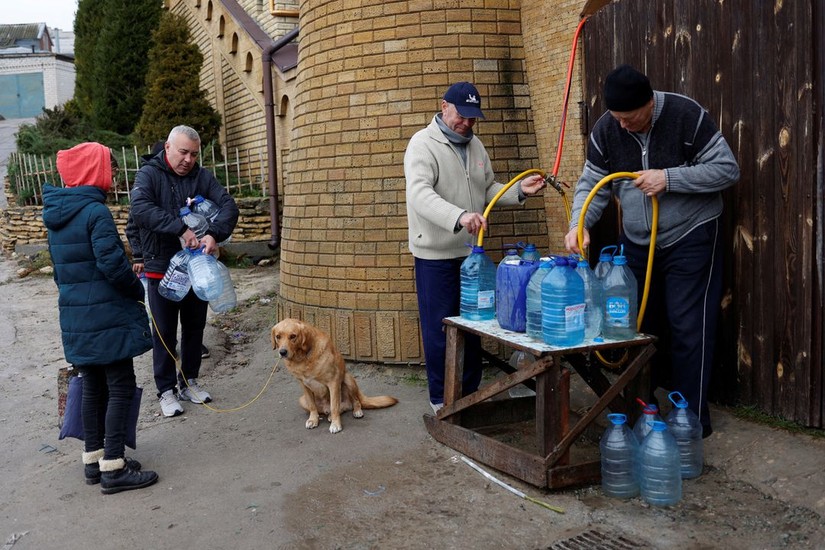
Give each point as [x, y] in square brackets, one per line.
[271, 146]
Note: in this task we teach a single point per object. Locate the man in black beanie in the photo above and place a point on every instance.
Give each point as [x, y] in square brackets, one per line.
[684, 161]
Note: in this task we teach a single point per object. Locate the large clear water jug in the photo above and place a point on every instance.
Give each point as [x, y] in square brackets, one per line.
[205, 275]
[478, 286]
[618, 448]
[686, 428]
[533, 324]
[562, 306]
[592, 300]
[605, 261]
[176, 283]
[197, 223]
[204, 207]
[659, 467]
[620, 301]
[512, 276]
[228, 298]
[650, 413]
[529, 252]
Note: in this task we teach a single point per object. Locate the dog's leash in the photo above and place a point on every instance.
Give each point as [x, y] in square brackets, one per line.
[183, 376]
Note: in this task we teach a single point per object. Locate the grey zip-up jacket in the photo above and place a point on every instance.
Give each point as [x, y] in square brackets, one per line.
[685, 142]
[440, 188]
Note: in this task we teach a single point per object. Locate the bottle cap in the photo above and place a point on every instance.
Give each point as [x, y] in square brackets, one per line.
[678, 399]
[606, 255]
[617, 418]
[185, 211]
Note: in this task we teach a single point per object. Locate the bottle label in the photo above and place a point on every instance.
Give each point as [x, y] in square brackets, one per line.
[178, 281]
[486, 299]
[574, 317]
[618, 311]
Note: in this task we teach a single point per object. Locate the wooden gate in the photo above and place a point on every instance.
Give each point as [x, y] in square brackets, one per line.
[757, 67]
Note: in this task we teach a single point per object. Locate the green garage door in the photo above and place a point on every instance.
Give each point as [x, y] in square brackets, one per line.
[21, 95]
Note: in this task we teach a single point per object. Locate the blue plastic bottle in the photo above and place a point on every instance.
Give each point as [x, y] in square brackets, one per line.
[562, 306]
[529, 252]
[205, 276]
[619, 449]
[659, 467]
[478, 286]
[512, 276]
[650, 414]
[533, 325]
[175, 283]
[592, 300]
[228, 299]
[686, 428]
[620, 301]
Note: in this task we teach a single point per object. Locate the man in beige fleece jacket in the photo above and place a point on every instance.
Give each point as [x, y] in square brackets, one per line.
[450, 181]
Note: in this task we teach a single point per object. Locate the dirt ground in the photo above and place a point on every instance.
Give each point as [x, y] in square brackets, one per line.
[255, 478]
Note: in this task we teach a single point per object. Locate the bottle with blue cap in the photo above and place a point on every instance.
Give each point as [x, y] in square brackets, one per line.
[620, 301]
[618, 448]
[529, 252]
[605, 262]
[592, 300]
[686, 428]
[197, 223]
[562, 306]
[205, 275]
[659, 467]
[176, 283]
[204, 207]
[533, 325]
[478, 286]
[512, 276]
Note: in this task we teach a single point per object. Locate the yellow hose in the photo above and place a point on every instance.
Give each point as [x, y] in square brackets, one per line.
[653, 229]
[500, 193]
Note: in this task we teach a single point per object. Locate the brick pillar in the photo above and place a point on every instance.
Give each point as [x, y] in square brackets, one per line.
[371, 74]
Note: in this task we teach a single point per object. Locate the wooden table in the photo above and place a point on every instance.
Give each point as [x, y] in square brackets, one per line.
[459, 423]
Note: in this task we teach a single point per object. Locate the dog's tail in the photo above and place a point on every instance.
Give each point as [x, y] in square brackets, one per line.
[377, 402]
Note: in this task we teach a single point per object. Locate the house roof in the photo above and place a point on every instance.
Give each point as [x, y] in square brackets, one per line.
[10, 35]
[286, 58]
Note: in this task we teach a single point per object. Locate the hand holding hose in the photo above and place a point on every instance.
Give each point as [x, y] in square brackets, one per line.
[651, 182]
[571, 241]
[473, 222]
[533, 184]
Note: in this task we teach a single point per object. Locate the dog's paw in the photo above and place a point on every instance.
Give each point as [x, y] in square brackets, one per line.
[312, 422]
[358, 413]
[334, 428]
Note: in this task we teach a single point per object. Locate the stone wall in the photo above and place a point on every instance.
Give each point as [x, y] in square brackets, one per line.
[23, 225]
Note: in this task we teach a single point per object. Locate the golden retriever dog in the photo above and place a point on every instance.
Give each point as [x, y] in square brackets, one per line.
[329, 389]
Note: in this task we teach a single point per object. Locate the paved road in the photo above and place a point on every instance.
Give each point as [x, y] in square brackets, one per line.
[8, 128]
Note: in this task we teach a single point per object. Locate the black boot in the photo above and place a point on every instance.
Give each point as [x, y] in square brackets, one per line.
[117, 476]
[92, 470]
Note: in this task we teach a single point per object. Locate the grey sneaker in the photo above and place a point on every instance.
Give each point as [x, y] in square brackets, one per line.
[194, 393]
[169, 404]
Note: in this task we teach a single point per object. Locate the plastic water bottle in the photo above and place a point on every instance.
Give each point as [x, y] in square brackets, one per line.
[650, 413]
[620, 301]
[529, 252]
[512, 276]
[205, 275]
[619, 449]
[686, 428]
[605, 262]
[659, 467]
[478, 286]
[562, 306]
[533, 324]
[204, 207]
[592, 300]
[197, 223]
[228, 299]
[145, 282]
[176, 283]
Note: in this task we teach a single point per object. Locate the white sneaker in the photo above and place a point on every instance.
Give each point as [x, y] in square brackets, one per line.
[169, 404]
[192, 392]
[436, 407]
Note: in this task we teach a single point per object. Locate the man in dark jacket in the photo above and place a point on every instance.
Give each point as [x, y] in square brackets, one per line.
[162, 187]
[101, 320]
[683, 160]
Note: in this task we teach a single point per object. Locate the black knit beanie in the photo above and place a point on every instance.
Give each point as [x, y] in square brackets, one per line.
[626, 89]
